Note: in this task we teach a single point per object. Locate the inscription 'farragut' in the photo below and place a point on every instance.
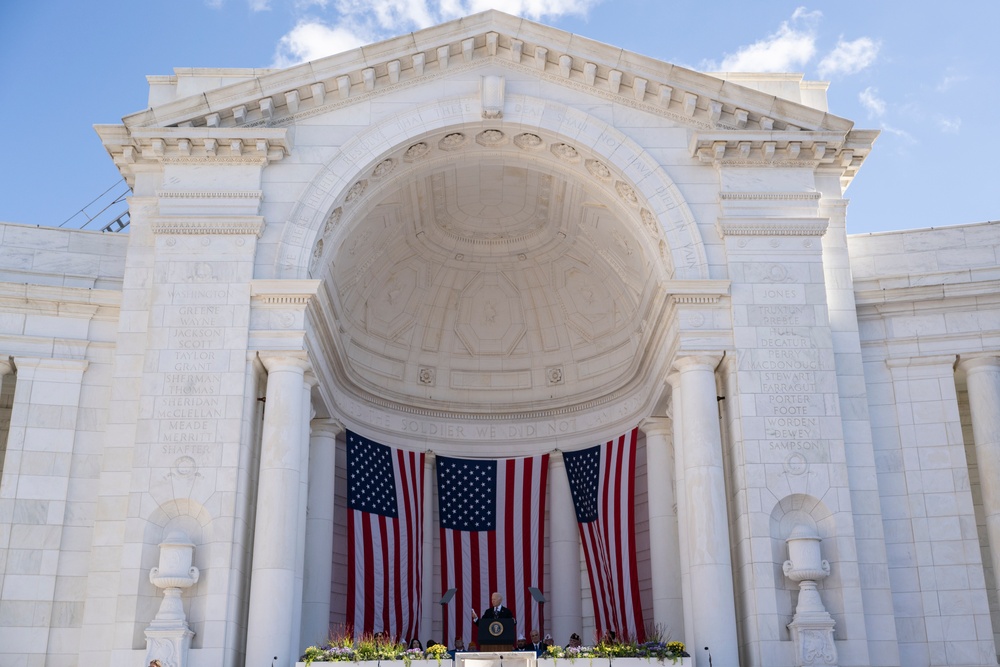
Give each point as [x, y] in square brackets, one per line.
[788, 362]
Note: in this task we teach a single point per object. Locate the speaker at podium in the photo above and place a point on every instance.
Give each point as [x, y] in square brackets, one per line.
[497, 634]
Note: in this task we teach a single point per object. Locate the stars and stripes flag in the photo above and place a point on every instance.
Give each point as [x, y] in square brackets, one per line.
[492, 526]
[602, 481]
[385, 491]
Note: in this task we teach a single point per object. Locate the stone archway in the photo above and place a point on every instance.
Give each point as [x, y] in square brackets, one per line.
[482, 270]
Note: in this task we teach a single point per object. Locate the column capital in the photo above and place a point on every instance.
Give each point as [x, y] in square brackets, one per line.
[657, 425]
[977, 362]
[331, 427]
[23, 365]
[284, 360]
[6, 367]
[696, 361]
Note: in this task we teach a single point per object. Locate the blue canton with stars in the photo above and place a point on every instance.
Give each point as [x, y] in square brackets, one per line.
[467, 493]
[371, 485]
[584, 469]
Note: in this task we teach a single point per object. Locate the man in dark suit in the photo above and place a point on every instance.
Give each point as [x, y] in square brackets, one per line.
[496, 610]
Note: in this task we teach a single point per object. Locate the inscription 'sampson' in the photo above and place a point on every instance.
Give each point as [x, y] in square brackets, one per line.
[787, 363]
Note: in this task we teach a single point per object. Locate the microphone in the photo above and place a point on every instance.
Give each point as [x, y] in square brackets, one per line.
[273, 661]
[709, 657]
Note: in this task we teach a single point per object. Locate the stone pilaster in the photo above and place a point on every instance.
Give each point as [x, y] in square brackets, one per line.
[34, 495]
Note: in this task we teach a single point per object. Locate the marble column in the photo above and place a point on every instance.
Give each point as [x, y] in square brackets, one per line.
[272, 580]
[317, 586]
[680, 496]
[983, 381]
[664, 552]
[309, 381]
[428, 596]
[565, 607]
[713, 606]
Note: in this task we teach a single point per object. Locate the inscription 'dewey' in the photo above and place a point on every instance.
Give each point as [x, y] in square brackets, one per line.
[787, 361]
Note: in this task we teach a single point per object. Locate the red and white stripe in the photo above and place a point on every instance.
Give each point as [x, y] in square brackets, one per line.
[384, 558]
[609, 543]
[508, 560]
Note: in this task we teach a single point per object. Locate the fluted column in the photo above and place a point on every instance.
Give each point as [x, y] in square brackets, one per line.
[983, 381]
[664, 552]
[713, 606]
[428, 596]
[566, 599]
[316, 589]
[275, 553]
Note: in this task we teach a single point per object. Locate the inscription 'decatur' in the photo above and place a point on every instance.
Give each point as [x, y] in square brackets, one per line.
[787, 363]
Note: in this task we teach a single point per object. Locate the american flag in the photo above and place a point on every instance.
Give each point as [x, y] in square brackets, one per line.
[492, 536]
[602, 480]
[385, 491]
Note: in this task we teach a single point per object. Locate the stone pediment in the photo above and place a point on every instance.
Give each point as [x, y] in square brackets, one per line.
[730, 122]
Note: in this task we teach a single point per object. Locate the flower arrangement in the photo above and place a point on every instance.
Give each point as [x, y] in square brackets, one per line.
[652, 650]
[437, 651]
[346, 649]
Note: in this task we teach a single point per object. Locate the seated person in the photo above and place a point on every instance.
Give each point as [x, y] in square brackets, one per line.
[574, 641]
[415, 643]
[459, 646]
[536, 644]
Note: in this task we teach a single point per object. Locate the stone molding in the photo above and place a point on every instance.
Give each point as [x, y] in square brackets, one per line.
[208, 225]
[770, 196]
[772, 227]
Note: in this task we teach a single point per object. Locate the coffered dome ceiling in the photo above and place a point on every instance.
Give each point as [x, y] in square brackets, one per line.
[492, 273]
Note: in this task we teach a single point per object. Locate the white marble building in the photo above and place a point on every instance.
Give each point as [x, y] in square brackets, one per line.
[493, 238]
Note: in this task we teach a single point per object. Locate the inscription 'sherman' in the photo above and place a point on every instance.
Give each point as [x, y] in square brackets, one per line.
[191, 405]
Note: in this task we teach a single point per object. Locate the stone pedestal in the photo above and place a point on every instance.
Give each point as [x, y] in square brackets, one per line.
[168, 637]
[812, 626]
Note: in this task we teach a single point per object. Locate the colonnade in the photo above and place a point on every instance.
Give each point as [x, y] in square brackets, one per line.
[289, 593]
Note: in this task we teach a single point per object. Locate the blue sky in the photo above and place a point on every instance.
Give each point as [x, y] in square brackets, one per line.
[923, 73]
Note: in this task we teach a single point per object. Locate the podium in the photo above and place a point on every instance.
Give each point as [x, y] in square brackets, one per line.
[497, 634]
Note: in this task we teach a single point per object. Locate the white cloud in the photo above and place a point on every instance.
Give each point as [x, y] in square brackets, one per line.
[259, 5]
[361, 22]
[788, 49]
[310, 40]
[902, 134]
[849, 57]
[872, 102]
[949, 80]
[949, 125]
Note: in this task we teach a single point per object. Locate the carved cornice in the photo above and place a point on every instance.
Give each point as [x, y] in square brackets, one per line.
[205, 226]
[770, 196]
[283, 292]
[772, 227]
[209, 194]
[844, 151]
[490, 38]
[696, 291]
[190, 145]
